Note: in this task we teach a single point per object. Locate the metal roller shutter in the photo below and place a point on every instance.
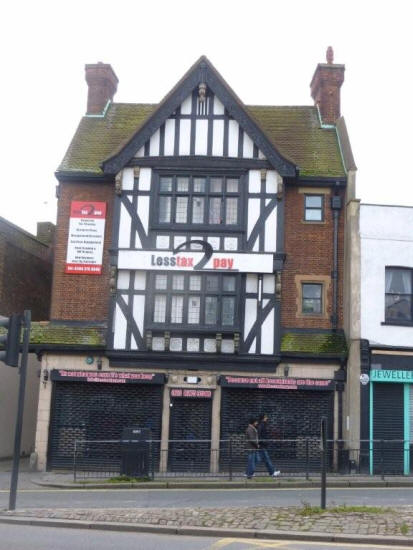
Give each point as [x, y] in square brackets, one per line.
[99, 412]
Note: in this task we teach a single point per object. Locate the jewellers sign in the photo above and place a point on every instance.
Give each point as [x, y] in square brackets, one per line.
[276, 383]
[86, 237]
[107, 377]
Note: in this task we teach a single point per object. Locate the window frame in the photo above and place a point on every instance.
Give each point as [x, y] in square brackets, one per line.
[312, 208]
[321, 299]
[204, 293]
[392, 321]
[208, 194]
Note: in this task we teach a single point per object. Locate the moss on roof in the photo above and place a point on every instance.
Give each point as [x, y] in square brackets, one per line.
[294, 131]
[314, 343]
[67, 335]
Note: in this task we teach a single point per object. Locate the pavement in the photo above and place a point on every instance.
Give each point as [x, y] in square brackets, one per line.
[370, 526]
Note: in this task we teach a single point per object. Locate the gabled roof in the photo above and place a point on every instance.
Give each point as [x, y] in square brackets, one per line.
[290, 137]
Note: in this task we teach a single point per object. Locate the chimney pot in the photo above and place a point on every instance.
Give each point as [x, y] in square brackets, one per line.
[325, 88]
[102, 85]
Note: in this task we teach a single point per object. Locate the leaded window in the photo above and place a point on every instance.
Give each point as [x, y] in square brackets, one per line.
[196, 201]
[207, 300]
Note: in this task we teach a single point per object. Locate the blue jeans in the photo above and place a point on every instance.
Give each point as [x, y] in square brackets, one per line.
[252, 460]
[262, 455]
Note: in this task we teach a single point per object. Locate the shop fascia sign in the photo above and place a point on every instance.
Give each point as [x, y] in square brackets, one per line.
[107, 377]
[191, 393]
[195, 260]
[266, 383]
[386, 375]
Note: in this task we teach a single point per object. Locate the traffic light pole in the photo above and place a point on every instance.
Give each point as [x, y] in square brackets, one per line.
[20, 410]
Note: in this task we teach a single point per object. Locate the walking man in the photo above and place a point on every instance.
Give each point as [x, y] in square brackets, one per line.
[252, 445]
[263, 443]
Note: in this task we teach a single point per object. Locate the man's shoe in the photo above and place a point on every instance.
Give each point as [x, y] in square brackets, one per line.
[276, 473]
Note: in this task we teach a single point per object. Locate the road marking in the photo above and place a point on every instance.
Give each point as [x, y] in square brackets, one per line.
[253, 543]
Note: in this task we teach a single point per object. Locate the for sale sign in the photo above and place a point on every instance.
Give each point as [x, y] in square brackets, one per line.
[86, 237]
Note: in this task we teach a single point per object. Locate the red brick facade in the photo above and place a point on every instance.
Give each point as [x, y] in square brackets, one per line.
[309, 250]
[80, 297]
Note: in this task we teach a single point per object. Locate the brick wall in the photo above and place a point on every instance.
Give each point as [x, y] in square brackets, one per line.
[80, 297]
[309, 250]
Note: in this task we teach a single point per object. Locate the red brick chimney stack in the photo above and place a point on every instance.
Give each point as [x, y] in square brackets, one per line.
[325, 88]
[102, 82]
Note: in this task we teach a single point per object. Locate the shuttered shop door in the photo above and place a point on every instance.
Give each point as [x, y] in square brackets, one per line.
[293, 415]
[388, 424]
[99, 412]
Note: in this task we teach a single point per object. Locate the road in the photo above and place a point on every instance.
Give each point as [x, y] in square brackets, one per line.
[176, 498]
[14, 537]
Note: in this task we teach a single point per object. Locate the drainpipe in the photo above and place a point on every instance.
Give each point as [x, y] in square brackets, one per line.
[335, 207]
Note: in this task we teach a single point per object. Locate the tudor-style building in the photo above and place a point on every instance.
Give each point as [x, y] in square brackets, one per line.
[199, 273]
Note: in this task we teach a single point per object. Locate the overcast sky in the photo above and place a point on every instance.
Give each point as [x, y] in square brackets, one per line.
[266, 50]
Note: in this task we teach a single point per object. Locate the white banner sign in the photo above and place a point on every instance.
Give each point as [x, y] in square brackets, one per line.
[191, 260]
[86, 237]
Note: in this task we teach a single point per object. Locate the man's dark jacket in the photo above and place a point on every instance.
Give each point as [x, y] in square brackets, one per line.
[263, 435]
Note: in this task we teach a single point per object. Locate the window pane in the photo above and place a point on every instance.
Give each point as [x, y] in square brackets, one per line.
[199, 185]
[313, 215]
[215, 185]
[215, 210]
[182, 185]
[211, 282]
[181, 215]
[232, 185]
[166, 184]
[198, 210]
[231, 211]
[161, 282]
[211, 310]
[177, 309]
[195, 282]
[159, 309]
[311, 291]
[194, 304]
[228, 284]
[178, 282]
[398, 307]
[399, 281]
[164, 209]
[228, 310]
[313, 201]
[311, 305]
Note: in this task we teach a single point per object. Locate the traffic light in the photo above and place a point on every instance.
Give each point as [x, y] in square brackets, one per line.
[10, 342]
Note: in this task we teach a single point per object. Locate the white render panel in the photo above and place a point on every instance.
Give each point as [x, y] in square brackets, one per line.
[145, 175]
[267, 334]
[271, 181]
[248, 147]
[162, 241]
[233, 131]
[218, 138]
[218, 107]
[386, 240]
[154, 144]
[143, 211]
[250, 315]
[261, 155]
[138, 243]
[140, 280]
[256, 246]
[270, 241]
[231, 243]
[169, 142]
[269, 284]
[184, 137]
[186, 106]
[253, 214]
[141, 152]
[253, 346]
[127, 179]
[120, 324]
[254, 181]
[252, 283]
[179, 239]
[123, 279]
[201, 137]
[124, 228]
[214, 242]
[139, 310]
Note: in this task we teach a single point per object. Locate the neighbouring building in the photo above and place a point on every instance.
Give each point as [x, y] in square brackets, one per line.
[199, 269]
[386, 273]
[25, 283]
